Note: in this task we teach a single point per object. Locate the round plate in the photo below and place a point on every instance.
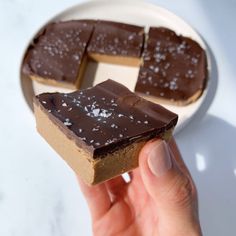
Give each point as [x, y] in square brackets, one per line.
[140, 13]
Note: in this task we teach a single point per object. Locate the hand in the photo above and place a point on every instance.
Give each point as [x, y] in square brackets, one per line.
[159, 200]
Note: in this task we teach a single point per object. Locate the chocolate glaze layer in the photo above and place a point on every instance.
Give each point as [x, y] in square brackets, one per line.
[106, 117]
[174, 67]
[57, 52]
[117, 39]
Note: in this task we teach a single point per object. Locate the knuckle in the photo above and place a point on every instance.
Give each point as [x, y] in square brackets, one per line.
[182, 192]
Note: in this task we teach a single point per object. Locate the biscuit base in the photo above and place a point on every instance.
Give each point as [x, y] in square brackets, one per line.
[91, 171]
[118, 60]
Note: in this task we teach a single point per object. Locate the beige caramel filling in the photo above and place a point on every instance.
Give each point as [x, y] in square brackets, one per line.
[120, 60]
[78, 159]
[160, 100]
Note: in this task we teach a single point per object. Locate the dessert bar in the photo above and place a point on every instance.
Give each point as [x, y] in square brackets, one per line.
[57, 56]
[99, 131]
[174, 68]
[116, 43]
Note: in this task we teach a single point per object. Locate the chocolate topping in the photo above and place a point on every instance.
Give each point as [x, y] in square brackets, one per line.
[106, 117]
[174, 67]
[57, 52]
[117, 39]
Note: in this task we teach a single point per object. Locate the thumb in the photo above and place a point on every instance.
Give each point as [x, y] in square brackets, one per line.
[171, 187]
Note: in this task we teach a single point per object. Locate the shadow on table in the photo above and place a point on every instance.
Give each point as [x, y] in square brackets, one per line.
[210, 149]
[89, 74]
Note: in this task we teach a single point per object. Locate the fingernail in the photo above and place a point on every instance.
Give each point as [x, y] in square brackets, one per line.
[159, 158]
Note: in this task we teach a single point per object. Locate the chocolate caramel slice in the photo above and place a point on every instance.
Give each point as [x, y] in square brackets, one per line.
[116, 43]
[99, 131]
[57, 56]
[174, 68]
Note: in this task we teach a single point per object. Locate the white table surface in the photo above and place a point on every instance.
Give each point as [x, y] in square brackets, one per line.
[39, 195]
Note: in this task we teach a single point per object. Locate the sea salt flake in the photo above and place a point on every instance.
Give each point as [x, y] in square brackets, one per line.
[114, 126]
[95, 129]
[67, 122]
[144, 81]
[110, 141]
[76, 57]
[194, 60]
[131, 37]
[173, 85]
[96, 112]
[105, 113]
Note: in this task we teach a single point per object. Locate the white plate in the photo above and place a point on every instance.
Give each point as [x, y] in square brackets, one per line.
[134, 12]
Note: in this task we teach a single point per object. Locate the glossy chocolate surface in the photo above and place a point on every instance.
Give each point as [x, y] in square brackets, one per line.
[57, 52]
[106, 117]
[174, 67]
[117, 39]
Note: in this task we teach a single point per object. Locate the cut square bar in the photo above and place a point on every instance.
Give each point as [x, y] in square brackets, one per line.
[117, 43]
[99, 131]
[174, 68]
[57, 55]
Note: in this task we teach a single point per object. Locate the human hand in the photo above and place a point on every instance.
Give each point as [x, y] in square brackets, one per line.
[160, 199]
